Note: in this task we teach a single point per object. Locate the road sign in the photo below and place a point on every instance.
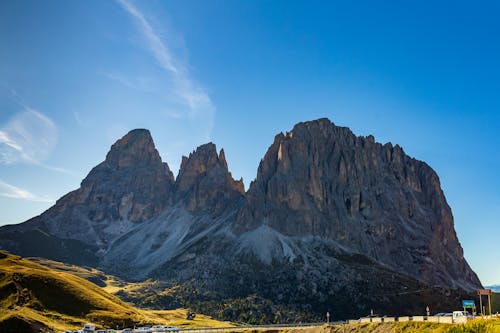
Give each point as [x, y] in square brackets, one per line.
[468, 303]
[484, 291]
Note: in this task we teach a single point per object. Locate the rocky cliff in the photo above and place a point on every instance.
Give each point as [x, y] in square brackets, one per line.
[132, 185]
[204, 181]
[372, 199]
[330, 218]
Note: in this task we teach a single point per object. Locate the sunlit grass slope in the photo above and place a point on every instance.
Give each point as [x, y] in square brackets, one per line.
[476, 326]
[109, 283]
[37, 298]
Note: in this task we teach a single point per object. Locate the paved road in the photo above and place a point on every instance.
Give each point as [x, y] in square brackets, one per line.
[252, 327]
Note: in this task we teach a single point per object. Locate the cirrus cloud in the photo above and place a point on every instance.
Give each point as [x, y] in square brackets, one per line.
[188, 92]
[14, 192]
[28, 137]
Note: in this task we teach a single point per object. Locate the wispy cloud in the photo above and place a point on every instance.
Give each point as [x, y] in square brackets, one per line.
[188, 91]
[29, 136]
[155, 43]
[11, 191]
[138, 82]
[60, 170]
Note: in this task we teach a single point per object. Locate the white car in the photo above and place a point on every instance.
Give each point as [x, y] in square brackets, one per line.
[459, 317]
[145, 329]
[158, 328]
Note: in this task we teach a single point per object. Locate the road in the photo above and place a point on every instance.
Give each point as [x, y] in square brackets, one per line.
[252, 327]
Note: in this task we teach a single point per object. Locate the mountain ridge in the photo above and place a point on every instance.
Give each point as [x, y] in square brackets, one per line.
[494, 287]
[327, 212]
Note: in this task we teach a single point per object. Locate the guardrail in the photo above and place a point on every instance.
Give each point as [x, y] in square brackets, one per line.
[430, 319]
[249, 327]
[434, 319]
[245, 327]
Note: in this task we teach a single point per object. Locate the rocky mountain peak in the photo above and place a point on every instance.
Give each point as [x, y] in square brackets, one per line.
[204, 180]
[222, 158]
[200, 162]
[131, 185]
[133, 149]
[134, 156]
[357, 218]
[321, 180]
[318, 126]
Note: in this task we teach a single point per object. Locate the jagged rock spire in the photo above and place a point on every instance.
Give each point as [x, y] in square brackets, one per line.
[204, 181]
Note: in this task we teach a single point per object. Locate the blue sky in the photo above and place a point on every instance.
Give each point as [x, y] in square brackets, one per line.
[76, 76]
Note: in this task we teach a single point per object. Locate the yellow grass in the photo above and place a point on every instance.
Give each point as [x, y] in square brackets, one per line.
[475, 326]
[28, 290]
[61, 300]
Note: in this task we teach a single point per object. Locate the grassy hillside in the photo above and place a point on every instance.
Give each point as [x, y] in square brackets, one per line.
[38, 295]
[478, 326]
[36, 298]
[154, 294]
[495, 303]
[109, 283]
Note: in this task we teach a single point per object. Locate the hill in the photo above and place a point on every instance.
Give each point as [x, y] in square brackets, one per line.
[476, 326]
[36, 298]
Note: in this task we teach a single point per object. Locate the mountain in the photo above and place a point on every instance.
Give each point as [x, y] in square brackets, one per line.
[131, 186]
[321, 180]
[332, 222]
[494, 287]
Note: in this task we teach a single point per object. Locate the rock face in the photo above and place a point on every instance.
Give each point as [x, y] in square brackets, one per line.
[130, 215]
[372, 199]
[204, 181]
[132, 185]
[330, 218]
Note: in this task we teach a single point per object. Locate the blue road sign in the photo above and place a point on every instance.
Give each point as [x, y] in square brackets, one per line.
[468, 303]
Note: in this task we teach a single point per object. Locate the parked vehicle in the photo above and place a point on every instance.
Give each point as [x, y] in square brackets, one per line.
[158, 328]
[88, 328]
[459, 316]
